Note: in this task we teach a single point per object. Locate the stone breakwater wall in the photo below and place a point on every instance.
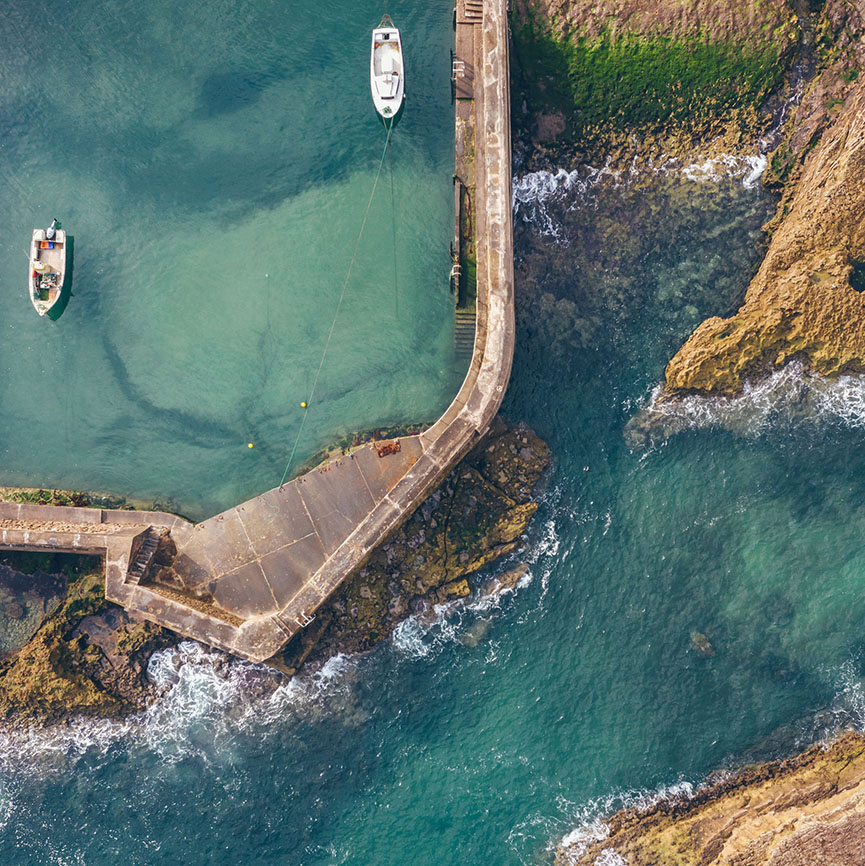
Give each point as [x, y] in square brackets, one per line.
[247, 580]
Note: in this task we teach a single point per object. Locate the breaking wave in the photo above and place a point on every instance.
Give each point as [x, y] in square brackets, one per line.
[791, 395]
[206, 701]
[589, 820]
[537, 194]
[465, 621]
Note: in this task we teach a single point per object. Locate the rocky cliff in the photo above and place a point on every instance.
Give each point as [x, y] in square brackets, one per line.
[806, 300]
[804, 811]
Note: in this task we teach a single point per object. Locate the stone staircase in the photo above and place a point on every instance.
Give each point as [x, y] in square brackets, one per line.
[143, 557]
[464, 332]
[474, 10]
[469, 11]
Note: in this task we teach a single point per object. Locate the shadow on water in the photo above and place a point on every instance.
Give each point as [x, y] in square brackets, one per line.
[57, 310]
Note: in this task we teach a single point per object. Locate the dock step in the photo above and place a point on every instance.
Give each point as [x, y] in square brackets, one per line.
[464, 332]
[144, 556]
[470, 11]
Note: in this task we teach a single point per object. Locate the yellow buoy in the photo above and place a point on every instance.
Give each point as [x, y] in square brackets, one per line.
[303, 405]
[251, 445]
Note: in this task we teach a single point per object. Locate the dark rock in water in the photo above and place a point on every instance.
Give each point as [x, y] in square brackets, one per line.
[25, 601]
[478, 515]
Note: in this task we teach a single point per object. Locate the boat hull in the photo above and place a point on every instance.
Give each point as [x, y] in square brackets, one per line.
[387, 71]
[47, 276]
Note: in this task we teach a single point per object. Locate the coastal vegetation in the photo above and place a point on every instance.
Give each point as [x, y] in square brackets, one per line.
[608, 84]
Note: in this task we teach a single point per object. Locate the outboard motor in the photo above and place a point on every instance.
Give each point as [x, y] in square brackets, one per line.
[50, 232]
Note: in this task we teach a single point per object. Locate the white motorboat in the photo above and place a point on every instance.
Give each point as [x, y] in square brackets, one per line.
[47, 267]
[387, 70]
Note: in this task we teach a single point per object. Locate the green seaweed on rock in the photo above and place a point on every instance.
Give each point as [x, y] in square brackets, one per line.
[605, 84]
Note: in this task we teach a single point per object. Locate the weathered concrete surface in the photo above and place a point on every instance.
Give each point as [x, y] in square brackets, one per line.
[248, 579]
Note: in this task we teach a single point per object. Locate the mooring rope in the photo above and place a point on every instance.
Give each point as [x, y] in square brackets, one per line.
[308, 402]
[393, 221]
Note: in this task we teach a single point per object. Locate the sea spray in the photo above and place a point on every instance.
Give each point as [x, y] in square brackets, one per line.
[537, 193]
[589, 819]
[206, 701]
[786, 398]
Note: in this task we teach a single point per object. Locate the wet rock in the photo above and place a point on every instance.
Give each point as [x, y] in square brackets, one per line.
[506, 580]
[455, 589]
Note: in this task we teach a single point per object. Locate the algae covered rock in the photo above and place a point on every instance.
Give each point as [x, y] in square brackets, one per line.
[665, 75]
[86, 658]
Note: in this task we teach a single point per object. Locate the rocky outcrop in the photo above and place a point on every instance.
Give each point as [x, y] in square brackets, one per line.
[806, 301]
[478, 515]
[87, 657]
[806, 810]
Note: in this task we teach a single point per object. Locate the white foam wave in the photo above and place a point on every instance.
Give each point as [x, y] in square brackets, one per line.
[608, 857]
[206, 700]
[590, 818]
[790, 395]
[847, 710]
[536, 193]
[749, 168]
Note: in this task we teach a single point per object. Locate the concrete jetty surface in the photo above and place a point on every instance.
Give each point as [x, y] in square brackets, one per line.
[249, 579]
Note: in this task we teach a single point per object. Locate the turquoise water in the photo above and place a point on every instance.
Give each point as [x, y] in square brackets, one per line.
[213, 165]
[485, 732]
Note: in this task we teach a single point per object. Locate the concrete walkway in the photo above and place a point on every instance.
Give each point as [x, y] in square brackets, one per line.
[249, 579]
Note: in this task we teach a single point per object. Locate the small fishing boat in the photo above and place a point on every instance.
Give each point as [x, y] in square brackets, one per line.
[47, 267]
[386, 70]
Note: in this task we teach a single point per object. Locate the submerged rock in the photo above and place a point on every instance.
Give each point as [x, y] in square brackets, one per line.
[806, 810]
[701, 644]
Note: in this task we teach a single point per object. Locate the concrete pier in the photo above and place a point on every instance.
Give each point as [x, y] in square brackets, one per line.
[249, 579]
